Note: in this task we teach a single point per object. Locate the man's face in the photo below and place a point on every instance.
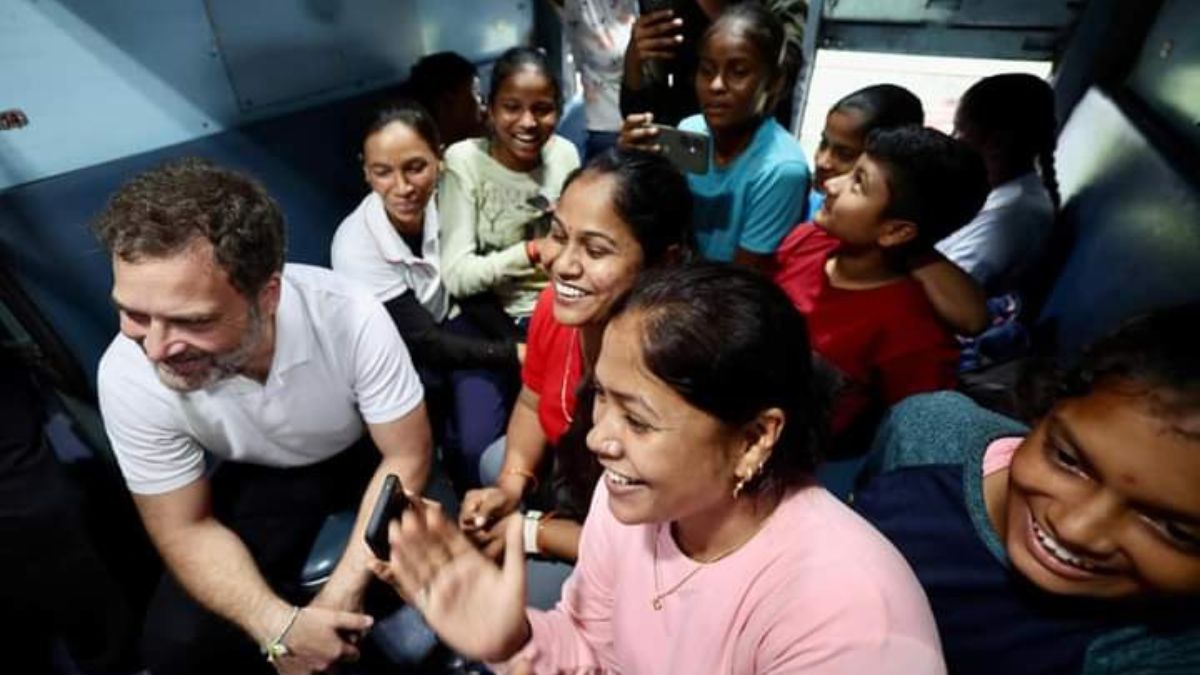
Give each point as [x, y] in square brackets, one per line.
[191, 322]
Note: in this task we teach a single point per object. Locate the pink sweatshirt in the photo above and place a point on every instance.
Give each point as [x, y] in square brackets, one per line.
[816, 591]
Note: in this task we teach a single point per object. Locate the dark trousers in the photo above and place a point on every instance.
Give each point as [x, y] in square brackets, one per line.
[277, 514]
[53, 584]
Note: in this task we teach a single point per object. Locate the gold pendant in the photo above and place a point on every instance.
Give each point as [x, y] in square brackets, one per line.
[656, 603]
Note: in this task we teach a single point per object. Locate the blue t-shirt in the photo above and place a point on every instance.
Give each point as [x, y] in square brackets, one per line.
[927, 498]
[753, 202]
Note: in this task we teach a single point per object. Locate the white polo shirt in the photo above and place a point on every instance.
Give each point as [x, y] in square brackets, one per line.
[338, 362]
[367, 248]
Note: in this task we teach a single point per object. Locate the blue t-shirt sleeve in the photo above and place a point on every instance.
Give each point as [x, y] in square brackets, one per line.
[777, 201]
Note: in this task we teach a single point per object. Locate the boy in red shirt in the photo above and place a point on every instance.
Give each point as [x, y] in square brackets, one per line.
[847, 269]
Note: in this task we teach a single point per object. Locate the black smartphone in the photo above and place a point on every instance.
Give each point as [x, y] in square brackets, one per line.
[647, 6]
[390, 504]
[687, 150]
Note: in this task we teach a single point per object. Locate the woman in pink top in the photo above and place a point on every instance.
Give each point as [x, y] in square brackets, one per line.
[708, 548]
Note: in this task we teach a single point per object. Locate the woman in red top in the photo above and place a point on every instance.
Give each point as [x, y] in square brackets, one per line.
[624, 212]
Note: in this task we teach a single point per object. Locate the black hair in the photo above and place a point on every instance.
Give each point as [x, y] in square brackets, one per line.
[882, 106]
[936, 182]
[651, 196]
[730, 342]
[436, 74]
[516, 59]
[1154, 354]
[1018, 107]
[411, 114]
[161, 212]
[762, 29]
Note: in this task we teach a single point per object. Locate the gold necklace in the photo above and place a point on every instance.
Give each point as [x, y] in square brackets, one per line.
[656, 600]
[562, 390]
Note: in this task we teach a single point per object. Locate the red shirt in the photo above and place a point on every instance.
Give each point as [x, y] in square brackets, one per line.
[553, 367]
[886, 342]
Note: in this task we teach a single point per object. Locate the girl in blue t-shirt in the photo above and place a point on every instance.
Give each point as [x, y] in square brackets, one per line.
[1073, 547]
[756, 185]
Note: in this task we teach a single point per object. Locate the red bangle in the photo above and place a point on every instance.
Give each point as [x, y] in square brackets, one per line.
[532, 252]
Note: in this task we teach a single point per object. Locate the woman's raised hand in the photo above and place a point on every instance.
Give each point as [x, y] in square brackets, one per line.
[475, 606]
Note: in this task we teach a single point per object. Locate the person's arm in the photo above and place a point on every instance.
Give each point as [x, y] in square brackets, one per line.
[406, 448]
[559, 538]
[389, 397]
[434, 345]
[214, 567]
[525, 448]
[957, 298]
[656, 35]
[465, 271]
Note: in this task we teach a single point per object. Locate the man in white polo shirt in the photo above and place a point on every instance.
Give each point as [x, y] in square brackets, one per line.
[273, 371]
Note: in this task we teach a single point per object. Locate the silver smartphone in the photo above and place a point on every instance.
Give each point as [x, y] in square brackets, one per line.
[687, 150]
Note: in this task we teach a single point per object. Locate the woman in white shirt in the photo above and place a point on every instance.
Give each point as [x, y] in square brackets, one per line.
[391, 244]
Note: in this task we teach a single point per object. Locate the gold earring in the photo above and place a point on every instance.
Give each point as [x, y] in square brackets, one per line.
[741, 484]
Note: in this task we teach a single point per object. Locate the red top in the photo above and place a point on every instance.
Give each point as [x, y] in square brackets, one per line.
[887, 342]
[553, 367]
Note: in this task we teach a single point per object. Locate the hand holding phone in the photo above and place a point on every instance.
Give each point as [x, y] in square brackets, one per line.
[687, 150]
[390, 504]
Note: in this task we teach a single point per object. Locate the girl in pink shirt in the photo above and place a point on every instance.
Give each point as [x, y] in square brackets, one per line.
[708, 547]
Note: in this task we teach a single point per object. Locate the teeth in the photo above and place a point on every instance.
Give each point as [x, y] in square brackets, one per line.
[568, 291]
[620, 479]
[1059, 551]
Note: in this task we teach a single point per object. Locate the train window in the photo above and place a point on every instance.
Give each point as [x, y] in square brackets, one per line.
[938, 81]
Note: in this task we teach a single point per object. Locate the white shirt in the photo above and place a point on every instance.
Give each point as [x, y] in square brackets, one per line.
[338, 362]
[598, 32]
[1006, 236]
[368, 249]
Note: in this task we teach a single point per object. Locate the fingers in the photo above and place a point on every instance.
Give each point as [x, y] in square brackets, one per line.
[662, 21]
[658, 35]
[480, 507]
[353, 622]
[663, 47]
[398, 571]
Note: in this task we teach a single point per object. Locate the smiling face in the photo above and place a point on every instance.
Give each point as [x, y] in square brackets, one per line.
[524, 113]
[402, 169]
[1102, 499]
[664, 459]
[732, 80]
[842, 141]
[592, 256]
[191, 322]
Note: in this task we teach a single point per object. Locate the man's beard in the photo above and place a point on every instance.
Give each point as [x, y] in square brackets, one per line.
[212, 368]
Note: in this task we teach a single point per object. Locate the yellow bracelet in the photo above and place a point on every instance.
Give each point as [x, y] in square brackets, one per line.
[522, 472]
[276, 649]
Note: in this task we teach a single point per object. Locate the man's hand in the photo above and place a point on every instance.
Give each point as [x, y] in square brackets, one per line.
[320, 638]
